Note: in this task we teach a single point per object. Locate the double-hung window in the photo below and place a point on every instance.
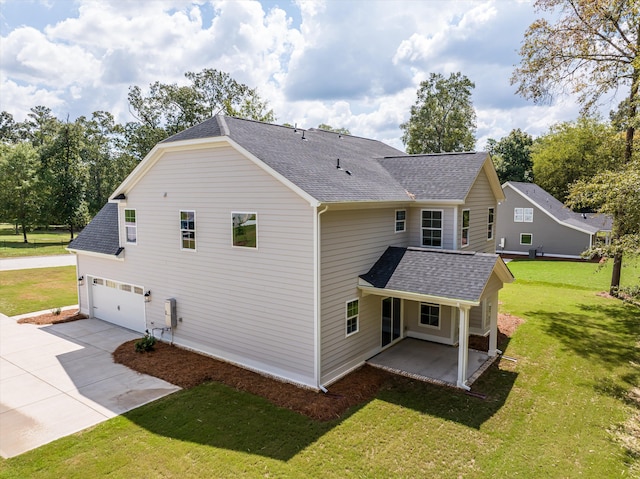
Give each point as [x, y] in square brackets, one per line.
[432, 228]
[401, 221]
[490, 222]
[352, 314]
[465, 227]
[523, 215]
[130, 226]
[188, 230]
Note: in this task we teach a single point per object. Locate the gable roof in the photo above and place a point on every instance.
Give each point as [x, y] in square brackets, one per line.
[101, 234]
[450, 277]
[441, 176]
[589, 223]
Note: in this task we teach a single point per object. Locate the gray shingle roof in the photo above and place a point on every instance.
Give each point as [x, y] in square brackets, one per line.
[446, 274]
[588, 221]
[101, 234]
[444, 176]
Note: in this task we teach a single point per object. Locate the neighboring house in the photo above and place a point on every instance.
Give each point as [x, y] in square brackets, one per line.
[298, 254]
[532, 222]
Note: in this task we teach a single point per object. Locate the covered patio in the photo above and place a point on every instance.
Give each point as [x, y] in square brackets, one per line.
[430, 362]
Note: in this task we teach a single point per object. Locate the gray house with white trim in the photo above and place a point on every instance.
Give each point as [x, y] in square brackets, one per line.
[297, 254]
[530, 219]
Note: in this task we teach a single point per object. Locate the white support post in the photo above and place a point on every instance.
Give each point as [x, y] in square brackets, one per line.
[493, 327]
[463, 347]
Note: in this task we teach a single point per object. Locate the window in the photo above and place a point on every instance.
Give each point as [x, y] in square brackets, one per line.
[523, 215]
[430, 315]
[465, 227]
[526, 238]
[130, 226]
[188, 230]
[432, 228]
[352, 317]
[401, 219]
[245, 229]
[490, 221]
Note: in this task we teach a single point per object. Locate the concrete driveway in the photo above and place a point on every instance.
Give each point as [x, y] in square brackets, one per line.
[59, 379]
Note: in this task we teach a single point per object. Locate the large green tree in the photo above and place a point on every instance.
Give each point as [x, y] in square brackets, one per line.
[592, 48]
[442, 118]
[575, 150]
[170, 108]
[511, 156]
[19, 185]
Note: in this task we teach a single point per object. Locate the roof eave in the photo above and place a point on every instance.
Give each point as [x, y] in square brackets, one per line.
[424, 298]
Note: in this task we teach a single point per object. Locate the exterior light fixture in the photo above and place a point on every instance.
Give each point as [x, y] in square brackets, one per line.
[147, 297]
[81, 281]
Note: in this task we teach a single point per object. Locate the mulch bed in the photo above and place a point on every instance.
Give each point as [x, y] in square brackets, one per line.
[54, 318]
[187, 369]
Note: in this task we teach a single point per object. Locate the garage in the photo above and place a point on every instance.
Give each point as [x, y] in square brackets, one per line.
[118, 303]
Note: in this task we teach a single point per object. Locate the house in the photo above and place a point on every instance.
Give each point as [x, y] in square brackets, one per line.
[532, 222]
[296, 253]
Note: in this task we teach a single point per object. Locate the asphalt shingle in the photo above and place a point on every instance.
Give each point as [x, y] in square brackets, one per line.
[101, 234]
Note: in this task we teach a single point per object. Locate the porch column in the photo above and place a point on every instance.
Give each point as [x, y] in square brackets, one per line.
[463, 347]
[493, 327]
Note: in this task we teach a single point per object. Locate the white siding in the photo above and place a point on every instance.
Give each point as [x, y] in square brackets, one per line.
[352, 241]
[252, 306]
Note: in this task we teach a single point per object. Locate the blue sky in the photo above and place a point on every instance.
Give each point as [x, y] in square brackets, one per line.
[355, 64]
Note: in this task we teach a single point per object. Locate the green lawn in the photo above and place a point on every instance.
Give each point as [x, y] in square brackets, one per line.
[560, 411]
[41, 243]
[28, 290]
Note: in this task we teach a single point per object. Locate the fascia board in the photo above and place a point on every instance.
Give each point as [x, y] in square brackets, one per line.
[424, 298]
[93, 253]
[554, 218]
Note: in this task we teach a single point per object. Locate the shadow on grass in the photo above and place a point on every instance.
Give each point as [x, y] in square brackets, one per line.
[215, 415]
[603, 333]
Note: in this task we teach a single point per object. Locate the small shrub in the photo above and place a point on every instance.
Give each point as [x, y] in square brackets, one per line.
[145, 344]
[56, 311]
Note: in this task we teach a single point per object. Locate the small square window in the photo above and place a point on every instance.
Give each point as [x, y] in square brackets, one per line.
[526, 238]
[245, 229]
[430, 315]
[401, 221]
[352, 313]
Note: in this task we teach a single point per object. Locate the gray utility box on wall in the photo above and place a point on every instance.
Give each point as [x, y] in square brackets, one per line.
[170, 314]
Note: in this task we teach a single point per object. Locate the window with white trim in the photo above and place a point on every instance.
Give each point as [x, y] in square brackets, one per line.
[523, 215]
[245, 229]
[401, 221]
[430, 315]
[188, 229]
[352, 313]
[432, 228]
[130, 226]
[490, 223]
[526, 238]
[466, 215]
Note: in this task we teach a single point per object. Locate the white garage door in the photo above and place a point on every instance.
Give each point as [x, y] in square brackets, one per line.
[118, 303]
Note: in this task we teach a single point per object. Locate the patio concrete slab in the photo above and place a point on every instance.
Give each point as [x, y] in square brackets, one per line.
[427, 361]
[56, 380]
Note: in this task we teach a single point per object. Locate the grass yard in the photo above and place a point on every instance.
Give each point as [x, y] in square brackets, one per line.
[41, 243]
[562, 411]
[29, 290]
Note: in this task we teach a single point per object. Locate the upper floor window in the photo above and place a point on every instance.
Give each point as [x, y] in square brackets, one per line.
[352, 313]
[465, 227]
[490, 222]
[130, 226]
[188, 230]
[401, 220]
[432, 228]
[523, 215]
[245, 229]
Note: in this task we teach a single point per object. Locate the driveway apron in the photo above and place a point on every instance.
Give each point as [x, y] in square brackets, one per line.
[56, 380]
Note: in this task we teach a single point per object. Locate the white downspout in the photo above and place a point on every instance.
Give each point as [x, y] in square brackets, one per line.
[317, 298]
